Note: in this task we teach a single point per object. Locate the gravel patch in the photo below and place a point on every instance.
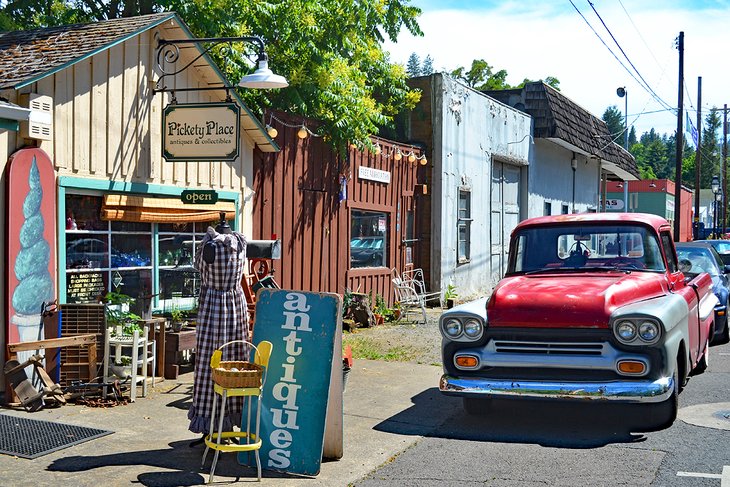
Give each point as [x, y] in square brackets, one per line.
[422, 342]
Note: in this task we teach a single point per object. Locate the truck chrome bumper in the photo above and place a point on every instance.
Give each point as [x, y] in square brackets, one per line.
[624, 391]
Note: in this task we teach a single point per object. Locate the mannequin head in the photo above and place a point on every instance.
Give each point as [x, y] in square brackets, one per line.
[222, 226]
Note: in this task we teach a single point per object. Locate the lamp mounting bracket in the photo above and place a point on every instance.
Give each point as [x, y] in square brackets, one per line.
[168, 54]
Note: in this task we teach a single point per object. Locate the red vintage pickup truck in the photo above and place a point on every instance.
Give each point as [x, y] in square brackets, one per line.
[592, 307]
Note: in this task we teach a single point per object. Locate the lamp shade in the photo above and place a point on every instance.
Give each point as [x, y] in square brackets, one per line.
[263, 78]
[715, 184]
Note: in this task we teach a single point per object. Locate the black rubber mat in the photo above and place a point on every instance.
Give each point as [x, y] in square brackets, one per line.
[32, 438]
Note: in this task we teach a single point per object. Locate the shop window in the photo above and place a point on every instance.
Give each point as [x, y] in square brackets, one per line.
[369, 239]
[102, 256]
[464, 226]
[179, 281]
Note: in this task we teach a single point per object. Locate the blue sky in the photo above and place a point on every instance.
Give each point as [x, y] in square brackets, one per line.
[535, 39]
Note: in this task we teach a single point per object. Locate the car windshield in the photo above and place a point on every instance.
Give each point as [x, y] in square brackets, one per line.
[721, 246]
[701, 260]
[593, 247]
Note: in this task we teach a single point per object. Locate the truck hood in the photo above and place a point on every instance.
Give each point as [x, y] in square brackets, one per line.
[584, 300]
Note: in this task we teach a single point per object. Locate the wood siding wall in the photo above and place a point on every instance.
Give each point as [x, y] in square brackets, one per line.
[297, 199]
[107, 121]
[107, 125]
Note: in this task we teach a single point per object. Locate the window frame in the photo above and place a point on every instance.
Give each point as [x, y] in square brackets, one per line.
[463, 224]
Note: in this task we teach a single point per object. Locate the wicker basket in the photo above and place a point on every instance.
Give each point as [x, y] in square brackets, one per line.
[233, 374]
[245, 375]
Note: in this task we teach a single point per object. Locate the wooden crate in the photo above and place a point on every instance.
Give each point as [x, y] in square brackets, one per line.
[80, 319]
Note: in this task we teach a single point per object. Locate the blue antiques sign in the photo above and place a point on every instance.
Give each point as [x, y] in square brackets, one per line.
[302, 327]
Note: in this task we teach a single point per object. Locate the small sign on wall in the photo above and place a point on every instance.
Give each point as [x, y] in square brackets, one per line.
[201, 132]
[614, 204]
[373, 174]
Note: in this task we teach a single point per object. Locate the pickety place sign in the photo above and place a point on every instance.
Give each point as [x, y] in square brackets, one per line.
[201, 132]
[302, 326]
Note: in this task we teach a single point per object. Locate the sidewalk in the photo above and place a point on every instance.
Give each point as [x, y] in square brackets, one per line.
[388, 406]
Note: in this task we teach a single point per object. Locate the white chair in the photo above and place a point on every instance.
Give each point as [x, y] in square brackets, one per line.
[143, 353]
[408, 300]
[415, 278]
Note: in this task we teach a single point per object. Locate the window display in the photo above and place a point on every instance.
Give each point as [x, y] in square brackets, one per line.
[368, 242]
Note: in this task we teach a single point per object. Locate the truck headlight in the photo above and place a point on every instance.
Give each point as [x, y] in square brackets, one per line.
[473, 328]
[626, 331]
[453, 328]
[648, 331]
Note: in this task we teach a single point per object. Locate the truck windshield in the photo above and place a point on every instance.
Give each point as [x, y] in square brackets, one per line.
[591, 247]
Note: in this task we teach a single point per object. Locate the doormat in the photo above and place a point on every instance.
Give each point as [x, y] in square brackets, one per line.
[32, 438]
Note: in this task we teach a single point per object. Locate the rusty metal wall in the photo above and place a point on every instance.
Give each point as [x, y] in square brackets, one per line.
[297, 199]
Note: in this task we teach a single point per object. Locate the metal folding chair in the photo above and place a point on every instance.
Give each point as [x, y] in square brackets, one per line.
[408, 300]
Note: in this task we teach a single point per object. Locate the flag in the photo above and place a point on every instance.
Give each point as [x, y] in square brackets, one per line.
[690, 129]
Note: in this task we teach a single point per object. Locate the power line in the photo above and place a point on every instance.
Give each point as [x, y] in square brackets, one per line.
[645, 85]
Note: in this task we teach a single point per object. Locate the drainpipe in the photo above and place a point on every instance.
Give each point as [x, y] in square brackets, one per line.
[574, 166]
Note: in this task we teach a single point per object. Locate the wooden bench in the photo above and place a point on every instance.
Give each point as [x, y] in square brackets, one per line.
[88, 340]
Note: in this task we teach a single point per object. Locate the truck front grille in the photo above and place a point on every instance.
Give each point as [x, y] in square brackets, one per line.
[548, 348]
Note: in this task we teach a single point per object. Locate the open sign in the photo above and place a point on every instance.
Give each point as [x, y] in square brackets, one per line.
[199, 197]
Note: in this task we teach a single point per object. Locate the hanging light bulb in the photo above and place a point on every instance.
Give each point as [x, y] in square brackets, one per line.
[411, 157]
[398, 156]
[377, 149]
[424, 161]
[271, 131]
[353, 146]
[302, 133]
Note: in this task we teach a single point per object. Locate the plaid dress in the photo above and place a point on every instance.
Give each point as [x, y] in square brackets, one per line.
[222, 317]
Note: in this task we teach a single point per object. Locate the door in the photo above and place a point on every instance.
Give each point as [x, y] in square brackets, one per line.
[505, 214]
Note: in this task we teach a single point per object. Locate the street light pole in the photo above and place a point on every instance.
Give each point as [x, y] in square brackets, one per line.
[623, 93]
[715, 187]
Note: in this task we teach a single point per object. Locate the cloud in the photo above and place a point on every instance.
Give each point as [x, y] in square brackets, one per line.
[535, 40]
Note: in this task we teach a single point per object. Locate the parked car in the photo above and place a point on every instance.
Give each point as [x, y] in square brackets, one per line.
[619, 324]
[92, 253]
[367, 251]
[697, 257]
[722, 247]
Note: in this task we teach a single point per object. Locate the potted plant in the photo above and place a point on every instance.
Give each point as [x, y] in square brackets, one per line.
[122, 368]
[381, 310]
[177, 316]
[450, 295]
[118, 317]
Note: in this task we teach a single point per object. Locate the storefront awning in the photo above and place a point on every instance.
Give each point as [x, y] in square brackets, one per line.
[119, 207]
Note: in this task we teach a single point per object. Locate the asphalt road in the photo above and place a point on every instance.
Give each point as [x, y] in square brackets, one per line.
[537, 443]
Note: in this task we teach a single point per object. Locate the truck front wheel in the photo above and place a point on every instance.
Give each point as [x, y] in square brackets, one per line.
[663, 414]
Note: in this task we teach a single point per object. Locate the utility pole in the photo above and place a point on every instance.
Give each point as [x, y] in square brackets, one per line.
[723, 169]
[680, 142]
[698, 160]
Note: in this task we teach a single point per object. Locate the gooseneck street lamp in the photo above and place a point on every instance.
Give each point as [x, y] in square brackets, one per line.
[715, 187]
[168, 53]
[621, 92]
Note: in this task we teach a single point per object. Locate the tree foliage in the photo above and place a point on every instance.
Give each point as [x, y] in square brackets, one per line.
[615, 121]
[330, 51]
[482, 77]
